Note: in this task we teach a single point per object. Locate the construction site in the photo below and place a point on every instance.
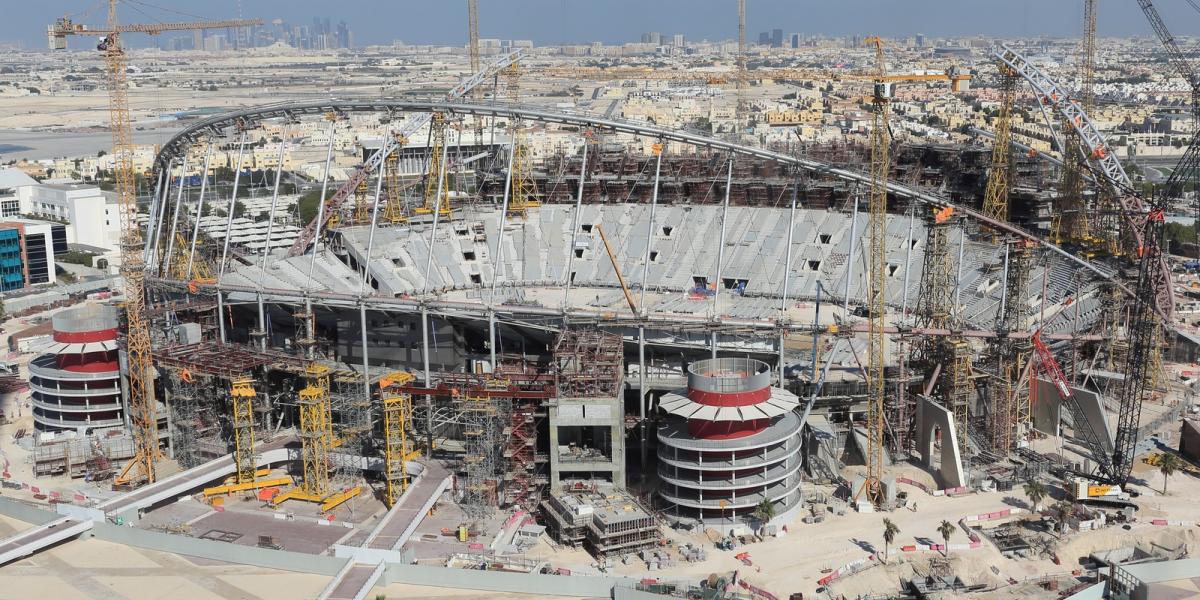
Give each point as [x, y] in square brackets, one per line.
[645, 350]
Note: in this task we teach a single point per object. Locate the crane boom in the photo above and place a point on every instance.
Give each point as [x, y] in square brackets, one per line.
[391, 144]
[143, 410]
[1179, 61]
[616, 268]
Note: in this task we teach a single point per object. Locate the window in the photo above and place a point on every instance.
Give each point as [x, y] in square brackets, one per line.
[468, 255]
[814, 265]
[667, 230]
[825, 238]
[476, 278]
[587, 228]
[579, 253]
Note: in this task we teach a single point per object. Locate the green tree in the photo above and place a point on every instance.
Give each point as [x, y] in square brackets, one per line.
[1167, 465]
[765, 511]
[1036, 492]
[306, 207]
[239, 209]
[947, 530]
[889, 535]
[1064, 510]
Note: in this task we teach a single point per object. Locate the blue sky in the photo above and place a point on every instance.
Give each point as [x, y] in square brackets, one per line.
[555, 21]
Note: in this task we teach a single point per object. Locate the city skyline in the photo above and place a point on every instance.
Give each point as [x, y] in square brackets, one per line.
[575, 21]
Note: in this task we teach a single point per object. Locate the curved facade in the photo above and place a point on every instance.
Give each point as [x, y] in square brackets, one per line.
[734, 443]
[78, 382]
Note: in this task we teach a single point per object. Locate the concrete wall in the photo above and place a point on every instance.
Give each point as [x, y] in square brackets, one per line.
[24, 512]
[1047, 408]
[221, 551]
[932, 418]
[492, 581]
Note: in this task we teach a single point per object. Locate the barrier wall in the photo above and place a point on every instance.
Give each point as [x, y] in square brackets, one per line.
[24, 512]
[494, 581]
[222, 551]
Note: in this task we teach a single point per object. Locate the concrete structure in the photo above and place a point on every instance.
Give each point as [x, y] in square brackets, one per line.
[735, 444]
[935, 428]
[77, 384]
[606, 522]
[587, 441]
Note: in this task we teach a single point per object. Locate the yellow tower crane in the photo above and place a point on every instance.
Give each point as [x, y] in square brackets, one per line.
[872, 489]
[142, 407]
[995, 199]
[393, 211]
[524, 191]
[437, 180]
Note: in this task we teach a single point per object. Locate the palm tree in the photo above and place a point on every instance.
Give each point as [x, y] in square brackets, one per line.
[765, 511]
[1036, 492]
[1167, 465]
[947, 530]
[889, 535]
[1065, 509]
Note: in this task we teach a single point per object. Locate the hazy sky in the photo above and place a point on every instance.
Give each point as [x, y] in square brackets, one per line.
[555, 21]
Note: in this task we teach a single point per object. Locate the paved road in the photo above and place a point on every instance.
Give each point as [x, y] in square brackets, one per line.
[390, 534]
[32, 540]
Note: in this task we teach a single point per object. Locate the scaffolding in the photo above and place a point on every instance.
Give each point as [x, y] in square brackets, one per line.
[936, 297]
[437, 181]
[588, 364]
[393, 212]
[362, 203]
[396, 451]
[316, 437]
[956, 387]
[187, 425]
[242, 396]
[522, 487]
[479, 418]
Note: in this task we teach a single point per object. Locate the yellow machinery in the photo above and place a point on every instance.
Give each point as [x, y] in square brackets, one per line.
[362, 204]
[995, 199]
[524, 192]
[316, 441]
[397, 410]
[872, 489]
[393, 211]
[437, 181]
[246, 475]
[142, 407]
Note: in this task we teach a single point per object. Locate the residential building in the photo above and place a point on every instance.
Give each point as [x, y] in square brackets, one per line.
[12, 184]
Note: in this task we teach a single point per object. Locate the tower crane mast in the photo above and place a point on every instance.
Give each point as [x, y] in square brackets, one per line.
[876, 278]
[142, 407]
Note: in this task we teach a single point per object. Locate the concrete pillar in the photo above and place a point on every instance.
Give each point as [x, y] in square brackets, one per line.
[437, 213]
[850, 257]
[575, 228]
[650, 231]
[312, 261]
[166, 262]
[199, 209]
[498, 249]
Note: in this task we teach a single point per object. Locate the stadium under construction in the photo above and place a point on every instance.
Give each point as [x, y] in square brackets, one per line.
[642, 326]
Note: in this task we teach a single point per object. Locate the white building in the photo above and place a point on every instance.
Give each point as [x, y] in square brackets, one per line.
[92, 216]
[12, 184]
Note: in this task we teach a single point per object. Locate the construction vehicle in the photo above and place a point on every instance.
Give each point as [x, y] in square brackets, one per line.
[1082, 489]
[142, 406]
[1183, 465]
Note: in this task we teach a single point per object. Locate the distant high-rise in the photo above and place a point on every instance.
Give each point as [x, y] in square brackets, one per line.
[652, 37]
[920, 40]
[678, 40]
[794, 40]
[776, 38]
[764, 38]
